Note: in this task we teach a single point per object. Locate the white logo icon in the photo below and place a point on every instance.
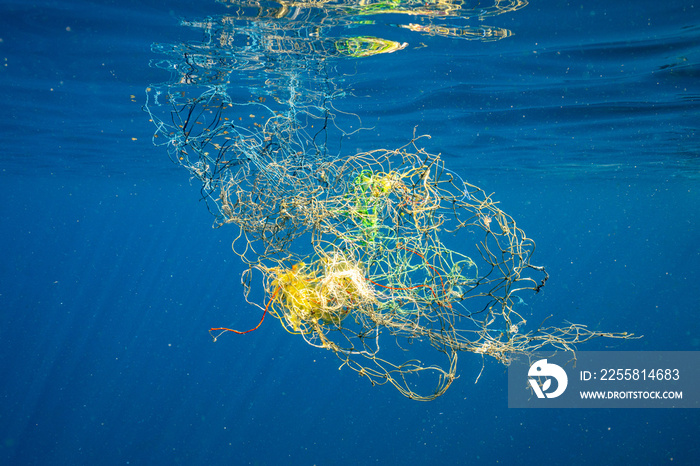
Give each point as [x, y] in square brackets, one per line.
[543, 369]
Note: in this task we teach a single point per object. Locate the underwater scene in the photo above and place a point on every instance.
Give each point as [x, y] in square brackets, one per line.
[320, 233]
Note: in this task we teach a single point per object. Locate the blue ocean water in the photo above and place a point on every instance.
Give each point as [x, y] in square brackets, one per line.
[583, 122]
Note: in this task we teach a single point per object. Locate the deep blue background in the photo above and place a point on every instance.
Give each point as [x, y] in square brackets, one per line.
[584, 124]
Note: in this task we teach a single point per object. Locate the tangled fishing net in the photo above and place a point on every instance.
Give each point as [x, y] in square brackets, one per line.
[385, 257]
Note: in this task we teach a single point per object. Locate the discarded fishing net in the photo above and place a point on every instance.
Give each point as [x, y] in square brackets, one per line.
[386, 257]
